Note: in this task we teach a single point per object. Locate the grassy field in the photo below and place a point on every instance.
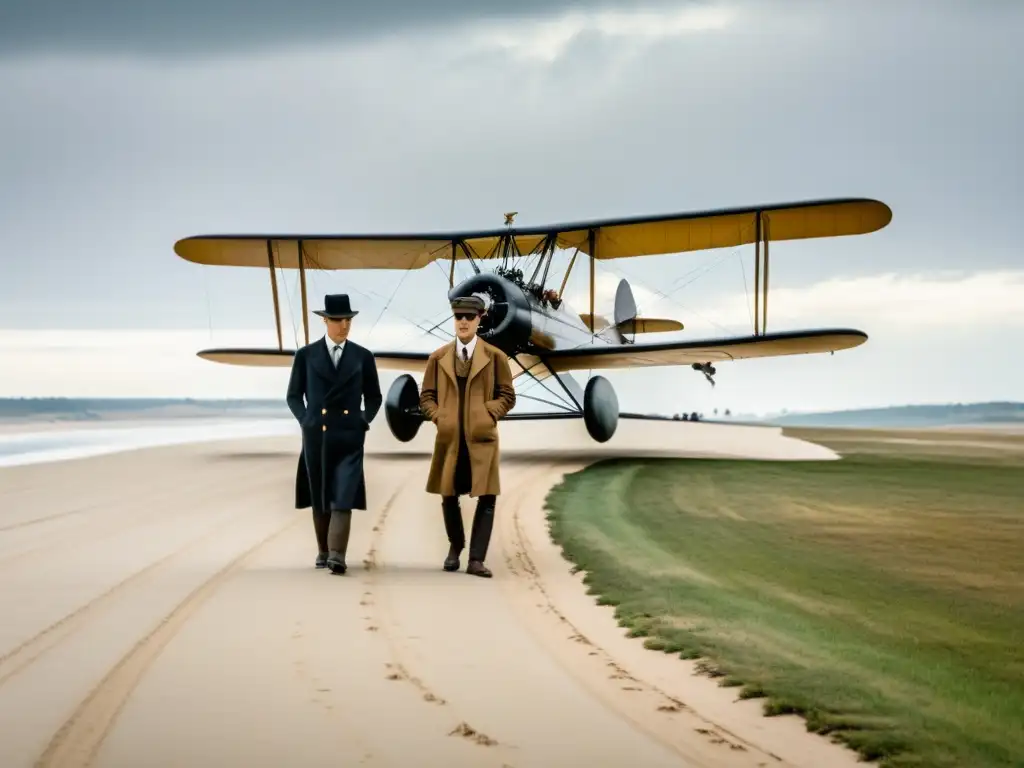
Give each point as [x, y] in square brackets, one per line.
[880, 596]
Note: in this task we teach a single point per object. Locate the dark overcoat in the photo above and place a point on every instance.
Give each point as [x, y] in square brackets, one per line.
[326, 401]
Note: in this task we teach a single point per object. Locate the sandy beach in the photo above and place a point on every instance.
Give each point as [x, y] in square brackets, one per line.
[161, 609]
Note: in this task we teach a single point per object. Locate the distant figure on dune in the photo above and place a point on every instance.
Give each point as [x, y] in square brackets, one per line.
[331, 380]
[467, 388]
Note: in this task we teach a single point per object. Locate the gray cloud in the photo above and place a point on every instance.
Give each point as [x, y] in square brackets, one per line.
[154, 28]
[111, 160]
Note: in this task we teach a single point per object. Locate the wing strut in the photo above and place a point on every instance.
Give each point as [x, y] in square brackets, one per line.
[761, 294]
[593, 261]
[273, 288]
[549, 252]
[302, 284]
[472, 261]
[568, 269]
[764, 306]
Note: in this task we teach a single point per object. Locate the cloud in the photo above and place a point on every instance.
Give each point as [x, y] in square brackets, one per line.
[933, 337]
[880, 303]
[959, 354]
[151, 29]
[548, 39]
[907, 302]
[392, 118]
[605, 286]
[151, 363]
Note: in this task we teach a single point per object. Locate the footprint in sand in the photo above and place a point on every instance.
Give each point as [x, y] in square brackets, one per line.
[468, 732]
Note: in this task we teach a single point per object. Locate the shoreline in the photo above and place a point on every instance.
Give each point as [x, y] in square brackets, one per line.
[58, 442]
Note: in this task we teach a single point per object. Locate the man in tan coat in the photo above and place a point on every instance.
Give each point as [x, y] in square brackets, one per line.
[467, 388]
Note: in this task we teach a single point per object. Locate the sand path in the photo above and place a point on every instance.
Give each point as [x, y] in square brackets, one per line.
[160, 609]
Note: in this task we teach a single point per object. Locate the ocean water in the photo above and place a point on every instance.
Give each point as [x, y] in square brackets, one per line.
[61, 445]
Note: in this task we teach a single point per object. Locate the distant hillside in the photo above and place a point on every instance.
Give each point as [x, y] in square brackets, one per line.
[91, 409]
[902, 416]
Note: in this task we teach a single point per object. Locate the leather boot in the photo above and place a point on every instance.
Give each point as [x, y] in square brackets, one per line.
[480, 538]
[320, 523]
[455, 530]
[337, 539]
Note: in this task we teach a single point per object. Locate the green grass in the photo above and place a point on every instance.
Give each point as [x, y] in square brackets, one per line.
[880, 596]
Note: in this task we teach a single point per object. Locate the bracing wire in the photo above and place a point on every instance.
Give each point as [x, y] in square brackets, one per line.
[622, 273]
[388, 303]
[746, 291]
[291, 308]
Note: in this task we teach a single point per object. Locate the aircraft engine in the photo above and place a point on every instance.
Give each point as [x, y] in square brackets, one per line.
[508, 323]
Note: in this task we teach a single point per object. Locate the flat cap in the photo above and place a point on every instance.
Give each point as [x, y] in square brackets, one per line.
[468, 304]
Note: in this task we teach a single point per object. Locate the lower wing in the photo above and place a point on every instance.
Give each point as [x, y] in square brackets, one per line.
[600, 356]
[282, 358]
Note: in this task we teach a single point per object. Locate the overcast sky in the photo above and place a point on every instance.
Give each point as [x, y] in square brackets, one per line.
[127, 126]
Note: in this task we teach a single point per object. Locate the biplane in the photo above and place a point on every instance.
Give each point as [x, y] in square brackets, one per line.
[546, 339]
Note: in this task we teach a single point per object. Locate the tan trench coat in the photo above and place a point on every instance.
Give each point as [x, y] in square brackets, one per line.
[489, 396]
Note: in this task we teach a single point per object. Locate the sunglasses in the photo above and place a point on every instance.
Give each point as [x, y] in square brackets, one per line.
[465, 315]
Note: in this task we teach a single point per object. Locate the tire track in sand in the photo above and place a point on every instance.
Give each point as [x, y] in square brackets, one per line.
[107, 526]
[593, 663]
[382, 619]
[47, 518]
[78, 741]
[23, 655]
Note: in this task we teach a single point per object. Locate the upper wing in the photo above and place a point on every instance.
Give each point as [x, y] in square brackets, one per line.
[612, 238]
[282, 358]
[707, 350]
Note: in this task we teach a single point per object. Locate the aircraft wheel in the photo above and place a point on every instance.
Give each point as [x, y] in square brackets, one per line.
[401, 408]
[600, 409]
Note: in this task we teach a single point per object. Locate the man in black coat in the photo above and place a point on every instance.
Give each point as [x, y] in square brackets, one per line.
[331, 378]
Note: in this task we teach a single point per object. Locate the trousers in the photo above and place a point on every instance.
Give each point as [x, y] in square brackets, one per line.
[332, 530]
[483, 525]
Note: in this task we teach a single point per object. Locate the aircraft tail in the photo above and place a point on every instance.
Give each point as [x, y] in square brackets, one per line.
[627, 322]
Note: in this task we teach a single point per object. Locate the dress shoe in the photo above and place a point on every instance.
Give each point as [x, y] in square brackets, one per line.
[336, 562]
[321, 560]
[451, 563]
[337, 539]
[453, 528]
[480, 537]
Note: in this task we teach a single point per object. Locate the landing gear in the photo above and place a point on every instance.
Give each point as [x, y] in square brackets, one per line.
[402, 408]
[600, 409]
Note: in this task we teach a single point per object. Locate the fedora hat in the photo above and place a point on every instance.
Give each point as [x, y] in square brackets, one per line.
[336, 307]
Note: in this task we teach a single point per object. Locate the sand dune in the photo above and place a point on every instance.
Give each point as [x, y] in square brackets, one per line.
[160, 609]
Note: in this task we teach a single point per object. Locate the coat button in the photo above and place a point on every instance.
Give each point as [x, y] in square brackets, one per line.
[325, 428]
[323, 412]
[345, 413]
